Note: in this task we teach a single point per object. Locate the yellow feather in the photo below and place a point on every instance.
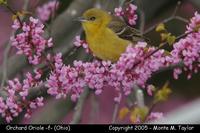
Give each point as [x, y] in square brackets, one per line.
[102, 41]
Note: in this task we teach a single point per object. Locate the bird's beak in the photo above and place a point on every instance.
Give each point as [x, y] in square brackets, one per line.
[80, 19]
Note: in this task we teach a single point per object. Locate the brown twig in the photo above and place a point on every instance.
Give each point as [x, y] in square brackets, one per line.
[55, 9]
[72, 51]
[166, 21]
[176, 8]
[26, 5]
[149, 112]
[53, 16]
[142, 16]
[14, 13]
[172, 17]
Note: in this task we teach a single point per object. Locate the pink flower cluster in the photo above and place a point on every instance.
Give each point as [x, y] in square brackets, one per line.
[187, 50]
[194, 22]
[46, 11]
[143, 70]
[81, 43]
[98, 74]
[29, 40]
[17, 97]
[64, 80]
[119, 11]
[129, 13]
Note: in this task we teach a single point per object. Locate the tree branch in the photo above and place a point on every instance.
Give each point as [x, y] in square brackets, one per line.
[161, 47]
[79, 107]
[173, 16]
[25, 6]
[95, 108]
[142, 16]
[114, 117]
[6, 52]
[4, 66]
[166, 21]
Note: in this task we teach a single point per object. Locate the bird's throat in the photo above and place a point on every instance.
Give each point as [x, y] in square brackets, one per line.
[91, 30]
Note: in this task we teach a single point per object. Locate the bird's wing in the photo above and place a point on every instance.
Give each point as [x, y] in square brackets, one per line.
[124, 31]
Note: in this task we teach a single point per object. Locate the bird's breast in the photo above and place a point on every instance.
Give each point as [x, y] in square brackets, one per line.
[107, 46]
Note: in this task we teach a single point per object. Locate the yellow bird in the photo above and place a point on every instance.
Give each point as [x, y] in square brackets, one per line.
[106, 35]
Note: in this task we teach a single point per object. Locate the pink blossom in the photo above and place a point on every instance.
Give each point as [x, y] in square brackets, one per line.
[150, 89]
[118, 98]
[38, 73]
[119, 11]
[32, 105]
[17, 98]
[96, 75]
[50, 43]
[39, 101]
[46, 11]
[129, 13]
[16, 24]
[9, 119]
[78, 42]
[187, 49]
[195, 21]
[142, 72]
[29, 41]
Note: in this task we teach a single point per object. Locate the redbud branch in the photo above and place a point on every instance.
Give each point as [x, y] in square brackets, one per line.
[142, 16]
[181, 19]
[95, 108]
[165, 21]
[142, 25]
[177, 7]
[79, 107]
[161, 47]
[114, 117]
[5, 59]
[7, 50]
[121, 2]
[173, 16]
[14, 13]
[152, 106]
[150, 110]
[71, 51]
[26, 3]
[55, 8]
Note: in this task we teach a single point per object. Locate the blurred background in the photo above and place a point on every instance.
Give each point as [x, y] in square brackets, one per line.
[99, 109]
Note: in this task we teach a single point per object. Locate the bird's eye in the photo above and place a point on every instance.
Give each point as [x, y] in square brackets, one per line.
[92, 18]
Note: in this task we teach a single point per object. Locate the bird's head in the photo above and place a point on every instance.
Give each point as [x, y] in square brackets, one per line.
[94, 18]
